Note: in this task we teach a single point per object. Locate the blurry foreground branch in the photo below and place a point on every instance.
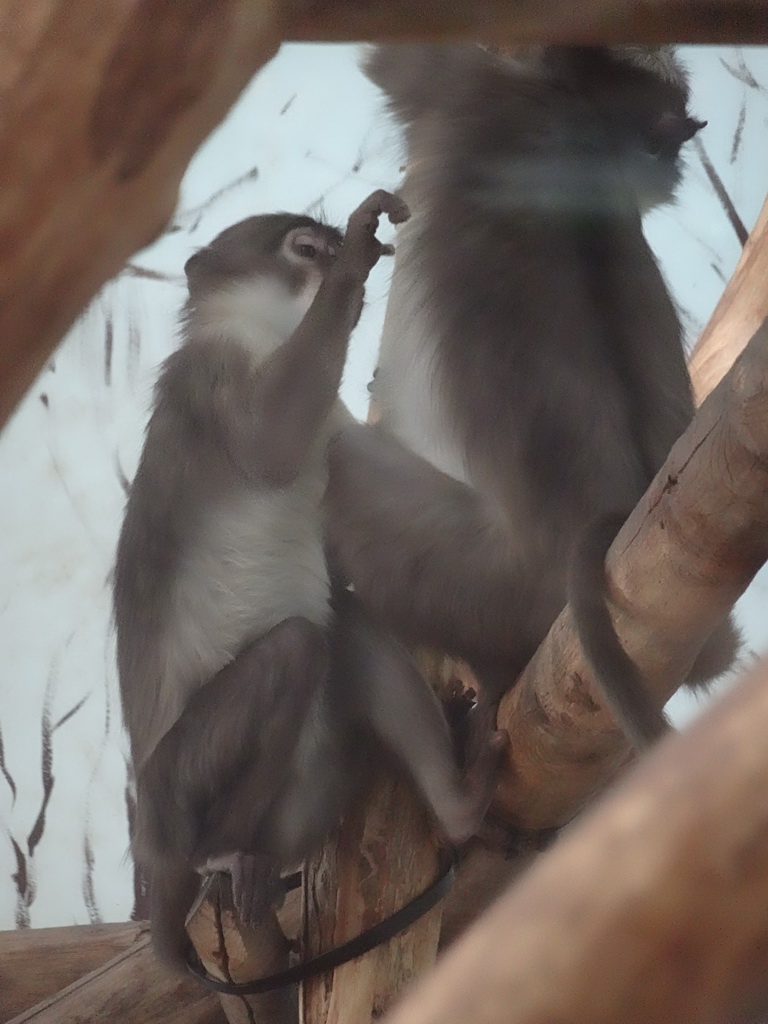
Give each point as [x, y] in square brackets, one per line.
[103, 105]
[653, 908]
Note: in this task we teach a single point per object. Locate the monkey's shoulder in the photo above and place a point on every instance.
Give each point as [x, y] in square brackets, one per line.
[199, 379]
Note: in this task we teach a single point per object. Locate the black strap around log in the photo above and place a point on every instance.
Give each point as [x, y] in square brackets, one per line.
[372, 937]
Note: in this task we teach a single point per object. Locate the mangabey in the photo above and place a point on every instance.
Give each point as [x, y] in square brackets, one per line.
[531, 353]
[243, 695]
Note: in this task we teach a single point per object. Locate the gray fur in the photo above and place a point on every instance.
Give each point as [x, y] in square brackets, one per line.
[531, 351]
[248, 690]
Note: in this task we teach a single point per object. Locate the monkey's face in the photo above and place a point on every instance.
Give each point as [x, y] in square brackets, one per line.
[309, 252]
[642, 93]
[259, 277]
[296, 250]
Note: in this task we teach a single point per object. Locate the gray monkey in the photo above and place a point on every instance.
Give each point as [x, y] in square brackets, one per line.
[532, 377]
[248, 689]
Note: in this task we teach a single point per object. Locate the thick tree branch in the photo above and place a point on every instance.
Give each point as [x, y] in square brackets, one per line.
[742, 308]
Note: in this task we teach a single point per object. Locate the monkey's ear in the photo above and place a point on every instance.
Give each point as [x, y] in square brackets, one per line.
[672, 130]
[201, 266]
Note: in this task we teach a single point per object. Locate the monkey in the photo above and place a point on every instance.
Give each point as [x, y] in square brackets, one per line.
[249, 685]
[531, 377]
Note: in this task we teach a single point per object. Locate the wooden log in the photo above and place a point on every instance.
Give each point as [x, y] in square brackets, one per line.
[132, 988]
[593, 21]
[382, 856]
[36, 962]
[687, 552]
[231, 952]
[653, 908]
[742, 308]
[103, 105]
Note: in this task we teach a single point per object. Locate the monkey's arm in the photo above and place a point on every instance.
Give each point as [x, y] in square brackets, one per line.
[380, 682]
[425, 556]
[301, 380]
[297, 386]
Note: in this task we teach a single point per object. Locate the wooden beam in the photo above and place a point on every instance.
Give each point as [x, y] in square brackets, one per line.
[36, 962]
[591, 21]
[132, 988]
[653, 908]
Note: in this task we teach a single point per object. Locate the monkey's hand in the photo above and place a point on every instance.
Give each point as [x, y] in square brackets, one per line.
[362, 249]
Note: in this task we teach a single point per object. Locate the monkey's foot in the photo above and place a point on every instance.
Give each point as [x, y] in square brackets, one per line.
[479, 785]
[256, 884]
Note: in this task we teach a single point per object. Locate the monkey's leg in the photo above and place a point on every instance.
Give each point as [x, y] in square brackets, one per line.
[243, 724]
[425, 556]
[173, 887]
[388, 691]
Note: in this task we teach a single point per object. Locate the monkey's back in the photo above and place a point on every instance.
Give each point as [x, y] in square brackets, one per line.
[530, 346]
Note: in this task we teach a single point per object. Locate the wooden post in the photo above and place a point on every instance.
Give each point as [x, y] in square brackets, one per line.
[231, 952]
[383, 855]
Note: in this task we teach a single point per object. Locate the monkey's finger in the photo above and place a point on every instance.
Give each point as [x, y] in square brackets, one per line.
[380, 202]
[399, 212]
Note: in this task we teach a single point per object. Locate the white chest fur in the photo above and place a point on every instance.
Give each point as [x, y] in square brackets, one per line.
[259, 559]
[407, 383]
[259, 314]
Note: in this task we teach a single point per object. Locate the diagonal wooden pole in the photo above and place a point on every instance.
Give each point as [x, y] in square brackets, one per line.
[742, 308]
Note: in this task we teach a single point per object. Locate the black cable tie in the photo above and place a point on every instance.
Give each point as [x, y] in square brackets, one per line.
[363, 943]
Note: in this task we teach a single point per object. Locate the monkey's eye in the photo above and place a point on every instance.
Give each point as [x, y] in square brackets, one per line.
[307, 251]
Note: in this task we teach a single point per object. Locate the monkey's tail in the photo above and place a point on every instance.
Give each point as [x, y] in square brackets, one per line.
[622, 685]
